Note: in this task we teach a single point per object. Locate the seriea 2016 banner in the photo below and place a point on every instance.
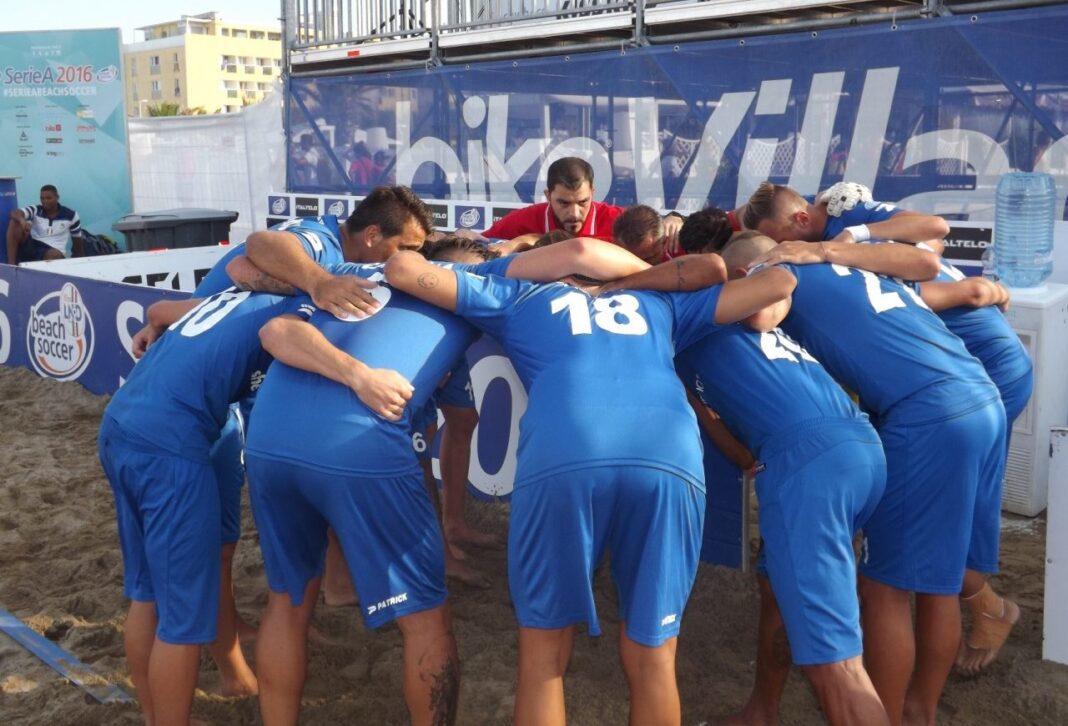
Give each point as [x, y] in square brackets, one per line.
[928, 113]
[62, 120]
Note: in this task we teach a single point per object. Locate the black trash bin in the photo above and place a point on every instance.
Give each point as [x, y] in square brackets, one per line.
[170, 228]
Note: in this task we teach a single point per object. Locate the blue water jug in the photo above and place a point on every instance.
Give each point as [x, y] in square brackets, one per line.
[1023, 228]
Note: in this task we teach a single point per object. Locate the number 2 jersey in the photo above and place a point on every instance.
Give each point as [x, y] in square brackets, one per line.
[178, 394]
[877, 337]
[304, 418]
[598, 372]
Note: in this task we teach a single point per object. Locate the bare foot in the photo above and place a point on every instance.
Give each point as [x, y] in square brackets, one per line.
[469, 576]
[464, 535]
[243, 684]
[993, 618]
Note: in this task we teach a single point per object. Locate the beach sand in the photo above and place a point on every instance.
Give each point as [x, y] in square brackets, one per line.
[62, 575]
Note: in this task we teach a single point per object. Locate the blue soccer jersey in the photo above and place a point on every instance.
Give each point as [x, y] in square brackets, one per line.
[987, 335]
[761, 384]
[320, 237]
[876, 336]
[178, 396]
[863, 213]
[598, 372]
[307, 419]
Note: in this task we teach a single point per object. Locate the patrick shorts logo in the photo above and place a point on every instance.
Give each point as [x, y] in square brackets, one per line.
[60, 335]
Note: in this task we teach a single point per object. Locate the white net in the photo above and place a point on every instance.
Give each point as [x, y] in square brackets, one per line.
[218, 161]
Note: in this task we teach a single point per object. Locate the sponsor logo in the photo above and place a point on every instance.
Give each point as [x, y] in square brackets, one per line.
[279, 205]
[469, 217]
[107, 74]
[85, 128]
[53, 139]
[24, 136]
[256, 380]
[440, 214]
[500, 212]
[387, 603]
[84, 112]
[59, 334]
[53, 128]
[86, 141]
[306, 206]
[967, 243]
[52, 153]
[668, 620]
[337, 207]
[29, 152]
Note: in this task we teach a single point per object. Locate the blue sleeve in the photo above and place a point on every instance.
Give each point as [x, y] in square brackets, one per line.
[497, 267]
[695, 315]
[318, 238]
[217, 280]
[359, 270]
[485, 300]
[863, 213]
[301, 306]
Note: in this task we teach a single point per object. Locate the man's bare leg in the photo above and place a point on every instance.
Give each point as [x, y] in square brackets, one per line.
[654, 691]
[889, 644]
[937, 639]
[846, 693]
[993, 618]
[455, 567]
[431, 667]
[455, 460]
[543, 659]
[282, 655]
[139, 633]
[172, 679]
[772, 665]
[337, 582]
[237, 678]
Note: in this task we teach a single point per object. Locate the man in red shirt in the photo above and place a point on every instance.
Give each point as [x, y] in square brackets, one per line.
[569, 206]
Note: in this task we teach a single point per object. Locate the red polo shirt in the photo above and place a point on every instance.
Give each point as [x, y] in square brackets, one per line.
[539, 219]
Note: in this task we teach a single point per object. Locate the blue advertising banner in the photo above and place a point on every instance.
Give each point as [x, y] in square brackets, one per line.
[928, 113]
[62, 121]
[72, 328]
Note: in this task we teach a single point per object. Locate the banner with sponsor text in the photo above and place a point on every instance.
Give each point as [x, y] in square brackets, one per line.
[62, 121]
[927, 112]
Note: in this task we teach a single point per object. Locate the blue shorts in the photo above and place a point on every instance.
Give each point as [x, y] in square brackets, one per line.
[386, 526]
[32, 250]
[920, 534]
[168, 516]
[986, 530]
[230, 473]
[820, 484]
[561, 526]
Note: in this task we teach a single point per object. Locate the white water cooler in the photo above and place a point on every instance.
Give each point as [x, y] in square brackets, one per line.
[1040, 317]
[1055, 627]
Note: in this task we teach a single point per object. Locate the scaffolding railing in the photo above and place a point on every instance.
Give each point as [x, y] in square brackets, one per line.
[324, 35]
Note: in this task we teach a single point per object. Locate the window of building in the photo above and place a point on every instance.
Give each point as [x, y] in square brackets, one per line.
[133, 66]
[274, 36]
[256, 34]
[153, 64]
[233, 109]
[135, 94]
[177, 88]
[240, 33]
[157, 92]
[226, 32]
[177, 64]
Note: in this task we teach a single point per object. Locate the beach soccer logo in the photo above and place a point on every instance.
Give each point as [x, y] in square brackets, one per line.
[59, 334]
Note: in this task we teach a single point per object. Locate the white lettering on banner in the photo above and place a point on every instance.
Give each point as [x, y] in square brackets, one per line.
[5, 326]
[59, 334]
[126, 311]
[492, 175]
[483, 373]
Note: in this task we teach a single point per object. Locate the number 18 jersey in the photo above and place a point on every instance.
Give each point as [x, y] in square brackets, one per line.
[598, 372]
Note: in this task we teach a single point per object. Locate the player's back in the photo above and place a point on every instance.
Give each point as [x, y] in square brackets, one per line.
[876, 336]
[598, 372]
[306, 418]
[177, 396]
[762, 384]
[987, 335]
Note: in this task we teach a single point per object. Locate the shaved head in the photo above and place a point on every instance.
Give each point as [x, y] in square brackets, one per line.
[744, 248]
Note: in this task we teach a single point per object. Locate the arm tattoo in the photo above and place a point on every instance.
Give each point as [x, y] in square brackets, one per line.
[266, 283]
[428, 280]
[680, 279]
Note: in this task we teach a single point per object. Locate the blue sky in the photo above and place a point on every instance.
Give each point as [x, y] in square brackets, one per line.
[75, 14]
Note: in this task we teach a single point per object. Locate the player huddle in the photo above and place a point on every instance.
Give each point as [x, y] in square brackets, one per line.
[364, 331]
